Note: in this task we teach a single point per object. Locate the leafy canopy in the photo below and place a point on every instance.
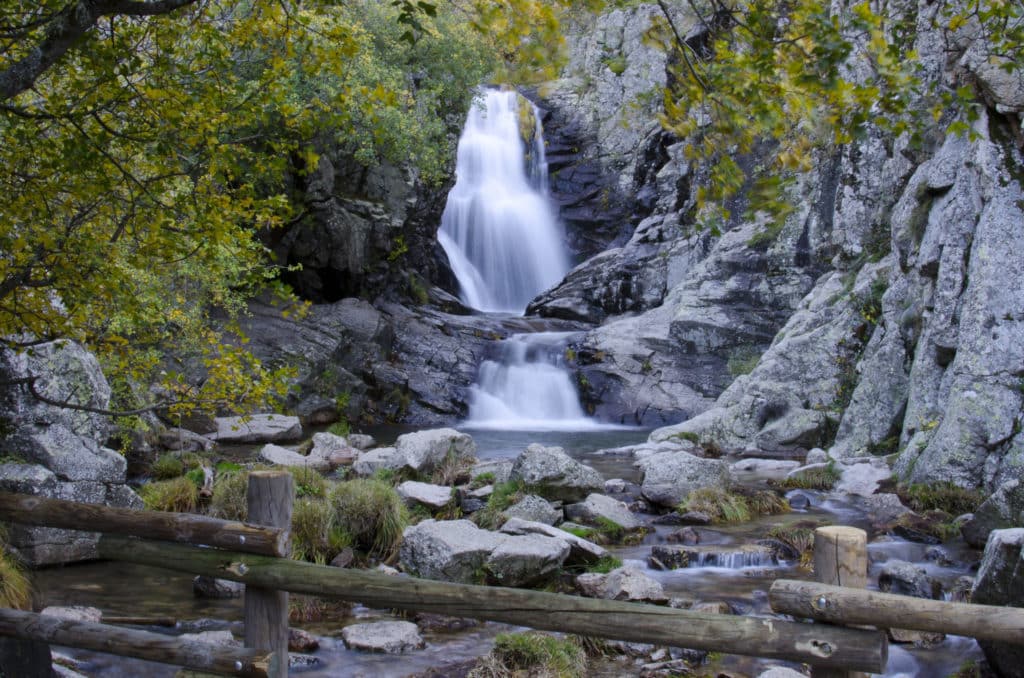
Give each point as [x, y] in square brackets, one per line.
[144, 145]
[803, 75]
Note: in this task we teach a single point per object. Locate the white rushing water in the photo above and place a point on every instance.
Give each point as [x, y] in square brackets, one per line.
[528, 388]
[499, 230]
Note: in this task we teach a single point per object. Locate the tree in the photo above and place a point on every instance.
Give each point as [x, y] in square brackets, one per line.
[803, 75]
[145, 143]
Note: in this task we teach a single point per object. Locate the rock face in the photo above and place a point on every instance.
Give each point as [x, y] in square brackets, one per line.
[670, 476]
[552, 473]
[257, 428]
[425, 451]
[1004, 509]
[60, 452]
[1000, 581]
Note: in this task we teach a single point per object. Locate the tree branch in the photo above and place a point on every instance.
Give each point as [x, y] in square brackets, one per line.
[65, 30]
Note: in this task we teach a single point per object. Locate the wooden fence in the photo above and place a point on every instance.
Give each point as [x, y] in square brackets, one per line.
[255, 554]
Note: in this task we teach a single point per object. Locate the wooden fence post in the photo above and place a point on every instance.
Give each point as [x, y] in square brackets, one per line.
[840, 559]
[270, 498]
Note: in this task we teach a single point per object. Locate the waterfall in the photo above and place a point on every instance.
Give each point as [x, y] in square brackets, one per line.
[527, 387]
[498, 228]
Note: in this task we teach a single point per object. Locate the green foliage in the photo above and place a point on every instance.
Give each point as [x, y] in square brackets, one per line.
[229, 496]
[371, 513]
[15, 585]
[723, 506]
[605, 565]
[316, 536]
[689, 436]
[821, 478]
[943, 496]
[179, 495]
[537, 654]
[504, 495]
[308, 482]
[140, 165]
[772, 74]
[481, 480]
[340, 428]
[167, 466]
[800, 538]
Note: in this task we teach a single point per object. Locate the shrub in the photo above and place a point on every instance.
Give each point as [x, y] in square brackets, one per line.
[536, 654]
[821, 478]
[315, 535]
[180, 495]
[800, 538]
[947, 497]
[503, 496]
[720, 505]
[371, 513]
[15, 586]
[229, 496]
[605, 565]
[167, 466]
[308, 482]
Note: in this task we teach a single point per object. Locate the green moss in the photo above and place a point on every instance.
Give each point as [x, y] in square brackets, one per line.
[504, 495]
[372, 513]
[481, 480]
[763, 239]
[180, 495]
[743, 360]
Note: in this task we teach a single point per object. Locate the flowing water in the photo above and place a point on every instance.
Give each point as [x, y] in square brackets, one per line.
[499, 229]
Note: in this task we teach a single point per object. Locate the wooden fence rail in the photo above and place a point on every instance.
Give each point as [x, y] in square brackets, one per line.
[841, 605]
[176, 527]
[816, 644]
[157, 647]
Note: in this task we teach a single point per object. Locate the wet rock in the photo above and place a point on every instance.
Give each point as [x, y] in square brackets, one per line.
[863, 479]
[581, 550]
[257, 428]
[210, 587]
[615, 486]
[672, 518]
[534, 509]
[345, 558]
[907, 579]
[391, 637]
[598, 507]
[333, 449]
[923, 529]
[624, 583]
[938, 555]
[526, 559]
[922, 639]
[687, 536]
[665, 669]
[712, 555]
[712, 607]
[694, 518]
[432, 496]
[670, 476]
[1000, 581]
[798, 500]
[500, 469]
[303, 661]
[371, 461]
[434, 623]
[883, 509]
[425, 451]
[553, 474]
[816, 456]
[774, 469]
[1003, 509]
[282, 456]
[361, 441]
[302, 641]
[960, 591]
[451, 550]
[780, 672]
[76, 613]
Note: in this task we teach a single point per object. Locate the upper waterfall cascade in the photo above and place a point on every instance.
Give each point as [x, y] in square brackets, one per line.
[499, 230]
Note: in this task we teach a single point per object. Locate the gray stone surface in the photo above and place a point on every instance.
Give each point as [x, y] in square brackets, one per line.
[1000, 581]
[581, 550]
[335, 450]
[863, 478]
[76, 613]
[520, 560]
[371, 461]
[257, 428]
[600, 506]
[425, 494]
[552, 473]
[424, 451]
[670, 476]
[535, 509]
[623, 583]
[1003, 509]
[392, 637]
[450, 550]
[907, 579]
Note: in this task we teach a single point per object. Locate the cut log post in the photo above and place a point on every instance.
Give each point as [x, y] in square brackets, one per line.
[840, 559]
[270, 498]
[178, 527]
[817, 644]
[124, 642]
[840, 605]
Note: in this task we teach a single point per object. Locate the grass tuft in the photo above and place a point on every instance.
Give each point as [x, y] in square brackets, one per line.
[180, 495]
[947, 497]
[532, 654]
[823, 478]
[167, 466]
[372, 514]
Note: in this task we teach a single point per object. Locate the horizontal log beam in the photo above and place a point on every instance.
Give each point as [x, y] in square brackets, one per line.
[176, 527]
[231, 661]
[839, 605]
[813, 644]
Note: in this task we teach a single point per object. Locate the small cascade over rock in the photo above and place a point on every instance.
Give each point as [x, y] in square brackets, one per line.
[499, 230]
[527, 387]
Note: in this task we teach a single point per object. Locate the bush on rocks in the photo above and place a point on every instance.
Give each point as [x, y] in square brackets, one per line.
[536, 654]
[372, 513]
[723, 506]
[316, 537]
[167, 466]
[15, 587]
[229, 490]
[815, 478]
[180, 495]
